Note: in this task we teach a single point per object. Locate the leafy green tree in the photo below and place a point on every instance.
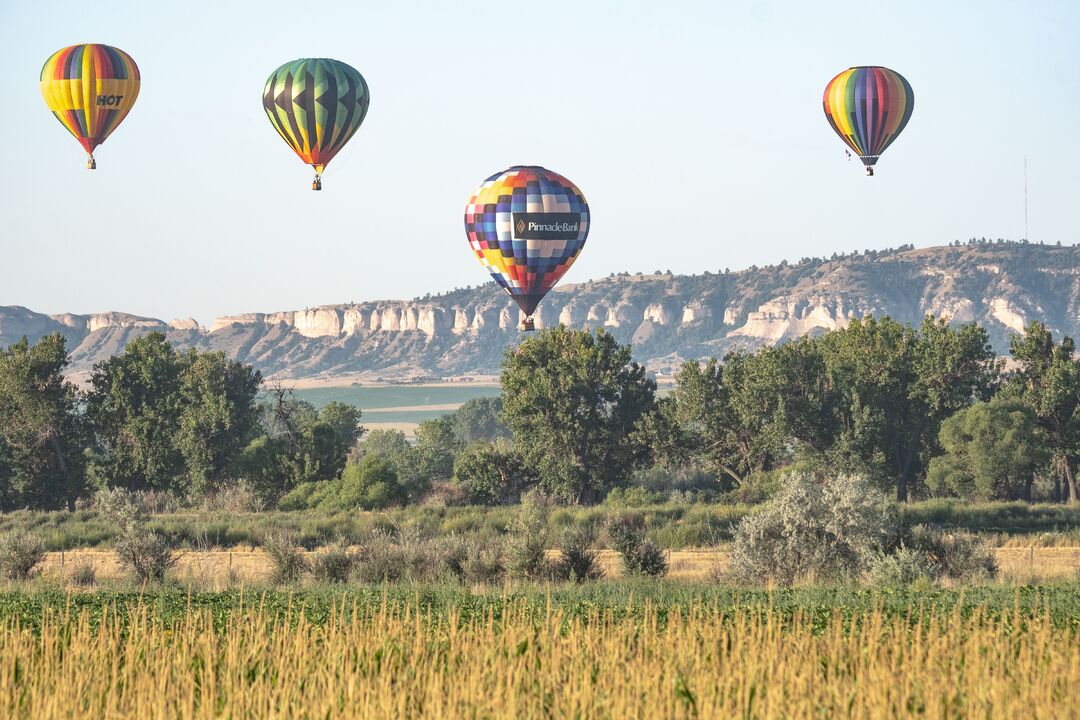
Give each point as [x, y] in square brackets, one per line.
[479, 419]
[218, 415]
[992, 452]
[134, 406]
[748, 413]
[436, 447]
[1048, 381]
[169, 421]
[371, 483]
[895, 385]
[571, 400]
[300, 445]
[42, 436]
[344, 419]
[393, 446]
[492, 473]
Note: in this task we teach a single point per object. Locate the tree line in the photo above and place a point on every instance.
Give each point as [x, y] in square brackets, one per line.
[920, 411]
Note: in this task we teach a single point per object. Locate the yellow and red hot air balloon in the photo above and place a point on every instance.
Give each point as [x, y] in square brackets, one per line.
[527, 225]
[90, 89]
[868, 107]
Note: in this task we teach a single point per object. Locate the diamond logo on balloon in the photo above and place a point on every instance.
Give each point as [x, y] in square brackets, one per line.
[520, 226]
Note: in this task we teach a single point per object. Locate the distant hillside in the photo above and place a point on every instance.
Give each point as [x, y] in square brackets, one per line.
[667, 317]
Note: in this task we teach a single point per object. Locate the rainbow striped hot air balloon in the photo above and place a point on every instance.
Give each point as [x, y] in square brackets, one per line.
[527, 225]
[90, 89]
[868, 106]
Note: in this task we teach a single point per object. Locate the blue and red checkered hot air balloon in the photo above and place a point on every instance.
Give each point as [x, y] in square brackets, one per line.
[527, 226]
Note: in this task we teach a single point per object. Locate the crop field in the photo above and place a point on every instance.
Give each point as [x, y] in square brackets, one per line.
[399, 403]
[213, 568]
[614, 650]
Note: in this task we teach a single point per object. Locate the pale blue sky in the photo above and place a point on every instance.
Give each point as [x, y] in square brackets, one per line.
[695, 130]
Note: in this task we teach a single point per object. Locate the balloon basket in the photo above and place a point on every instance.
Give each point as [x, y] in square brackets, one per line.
[91, 163]
[870, 171]
[527, 324]
[316, 184]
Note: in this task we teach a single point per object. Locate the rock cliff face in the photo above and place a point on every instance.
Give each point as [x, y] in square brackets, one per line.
[668, 318]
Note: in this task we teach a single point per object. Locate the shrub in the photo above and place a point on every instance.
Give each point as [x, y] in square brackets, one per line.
[490, 473]
[527, 536]
[471, 560]
[286, 556]
[905, 566]
[956, 555]
[20, 554]
[145, 553]
[83, 574]
[371, 483]
[381, 559]
[334, 564]
[640, 555]
[119, 506]
[820, 529]
[578, 555]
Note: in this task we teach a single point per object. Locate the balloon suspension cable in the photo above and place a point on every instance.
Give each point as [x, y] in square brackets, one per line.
[316, 184]
[91, 163]
[527, 324]
[870, 170]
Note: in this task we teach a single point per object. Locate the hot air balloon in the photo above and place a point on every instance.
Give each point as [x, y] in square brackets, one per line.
[90, 89]
[316, 105]
[527, 226]
[868, 106]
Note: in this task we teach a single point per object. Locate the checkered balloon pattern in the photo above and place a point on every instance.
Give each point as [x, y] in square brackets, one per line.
[497, 217]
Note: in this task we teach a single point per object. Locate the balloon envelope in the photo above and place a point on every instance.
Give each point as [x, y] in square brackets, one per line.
[868, 107]
[316, 105]
[90, 89]
[527, 226]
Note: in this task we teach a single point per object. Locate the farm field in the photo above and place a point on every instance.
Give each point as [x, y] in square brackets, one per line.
[212, 568]
[383, 405]
[608, 650]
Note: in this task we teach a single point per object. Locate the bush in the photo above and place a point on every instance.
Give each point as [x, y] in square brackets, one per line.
[371, 483]
[145, 553]
[640, 555]
[334, 564]
[578, 561]
[526, 543]
[901, 568]
[956, 555]
[287, 557]
[20, 554]
[83, 574]
[381, 559]
[815, 529]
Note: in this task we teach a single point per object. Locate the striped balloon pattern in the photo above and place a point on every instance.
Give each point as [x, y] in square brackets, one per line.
[868, 107]
[527, 225]
[90, 89]
[316, 105]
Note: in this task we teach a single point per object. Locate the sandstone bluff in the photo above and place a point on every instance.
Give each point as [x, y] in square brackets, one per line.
[668, 318]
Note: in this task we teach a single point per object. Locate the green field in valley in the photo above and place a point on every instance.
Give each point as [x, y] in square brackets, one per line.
[398, 403]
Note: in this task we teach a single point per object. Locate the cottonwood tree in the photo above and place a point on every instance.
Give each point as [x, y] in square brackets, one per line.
[42, 436]
[895, 385]
[992, 452]
[571, 399]
[1048, 382]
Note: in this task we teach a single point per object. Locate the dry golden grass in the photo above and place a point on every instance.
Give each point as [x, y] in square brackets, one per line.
[399, 663]
[251, 565]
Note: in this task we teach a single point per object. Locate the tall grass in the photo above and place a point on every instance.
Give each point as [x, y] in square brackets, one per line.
[671, 525]
[526, 659]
